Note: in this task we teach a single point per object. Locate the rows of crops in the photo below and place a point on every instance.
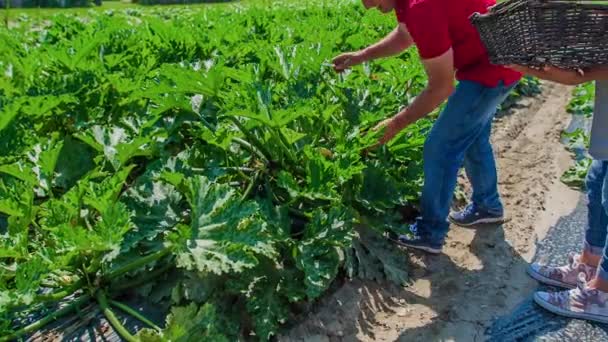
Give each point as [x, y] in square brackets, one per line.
[577, 136]
[207, 160]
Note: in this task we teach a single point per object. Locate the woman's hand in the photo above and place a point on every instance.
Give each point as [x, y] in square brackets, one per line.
[550, 73]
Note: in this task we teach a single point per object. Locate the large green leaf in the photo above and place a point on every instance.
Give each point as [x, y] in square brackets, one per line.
[379, 191]
[17, 201]
[155, 206]
[19, 171]
[45, 157]
[8, 113]
[320, 254]
[104, 237]
[225, 235]
[104, 194]
[188, 323]
[372, 258]
[117, 145]
[38, 106]
[74, 161]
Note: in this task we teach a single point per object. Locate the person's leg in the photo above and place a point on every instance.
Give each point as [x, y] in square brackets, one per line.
[468, 113]
[480, 166]
[597, 225]
[595, 237]
[601, 280]
[590, 299]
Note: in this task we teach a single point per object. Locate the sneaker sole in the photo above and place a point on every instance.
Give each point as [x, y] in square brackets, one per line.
[422, 248]
[548, 281]
[480, 221]
[559, 311]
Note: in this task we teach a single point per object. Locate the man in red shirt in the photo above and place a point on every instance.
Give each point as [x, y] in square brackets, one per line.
[449, 47]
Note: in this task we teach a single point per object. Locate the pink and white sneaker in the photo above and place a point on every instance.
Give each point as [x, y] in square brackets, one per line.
[563, 276]
[581, 302]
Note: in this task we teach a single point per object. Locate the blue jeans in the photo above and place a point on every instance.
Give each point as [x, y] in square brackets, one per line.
[597, 194]
[460, 134]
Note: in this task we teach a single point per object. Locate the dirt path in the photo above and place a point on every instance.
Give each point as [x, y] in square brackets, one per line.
[481, 274]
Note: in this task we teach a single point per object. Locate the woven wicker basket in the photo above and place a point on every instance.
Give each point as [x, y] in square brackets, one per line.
[564, 33]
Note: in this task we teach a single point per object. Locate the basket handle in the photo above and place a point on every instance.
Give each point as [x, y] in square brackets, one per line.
[499, 8]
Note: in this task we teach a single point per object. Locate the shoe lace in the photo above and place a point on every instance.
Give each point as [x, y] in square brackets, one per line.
[576, 264]
[584, 292]
[470, 209]
[414, 229]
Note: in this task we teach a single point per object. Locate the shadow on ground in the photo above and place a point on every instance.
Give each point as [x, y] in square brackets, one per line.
[528, 322]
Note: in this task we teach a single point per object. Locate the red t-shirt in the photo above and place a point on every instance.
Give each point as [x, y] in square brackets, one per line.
[437, 25]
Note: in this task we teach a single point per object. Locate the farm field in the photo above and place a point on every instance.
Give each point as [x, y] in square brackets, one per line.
[207, 159]
[212, 156]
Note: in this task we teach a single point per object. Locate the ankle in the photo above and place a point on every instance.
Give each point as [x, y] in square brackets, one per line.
[598, 284]
[590, 259]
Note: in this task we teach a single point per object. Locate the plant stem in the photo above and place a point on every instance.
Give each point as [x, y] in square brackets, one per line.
[252, 184]
[137, 282]
[137, 264]
[252, 138]
[54, 296]
[298, 213]
[46, 320]
[288, 148]
[59, 295]
[105, 308]
[251, 148]
[227, 168]
[134, 313]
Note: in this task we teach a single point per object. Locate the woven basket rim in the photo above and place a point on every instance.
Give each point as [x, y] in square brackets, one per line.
[572, 34]
[508, 6]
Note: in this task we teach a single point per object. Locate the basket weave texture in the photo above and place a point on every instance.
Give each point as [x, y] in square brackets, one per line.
[563, 33]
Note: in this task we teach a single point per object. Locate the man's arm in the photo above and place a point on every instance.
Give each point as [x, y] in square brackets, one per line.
[440, 72]
[597, 74]
[568, 77]
[394, 43]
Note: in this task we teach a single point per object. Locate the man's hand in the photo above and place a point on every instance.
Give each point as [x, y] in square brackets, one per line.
[392, 127]
[347, 60]
[550, 73]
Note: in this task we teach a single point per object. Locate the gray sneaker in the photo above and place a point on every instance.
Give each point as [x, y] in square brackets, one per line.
[581, 302]
[563, 276]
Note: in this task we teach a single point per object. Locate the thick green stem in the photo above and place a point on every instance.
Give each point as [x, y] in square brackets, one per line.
[94, 266]
[137, 264]
[227, 168]
[289, 149]
[252, 138]
[134, 313]
[46, 320]
[252, 149]
[54, 296]
[252, 184]
[59, 295]
[105, 308]
[298, 213]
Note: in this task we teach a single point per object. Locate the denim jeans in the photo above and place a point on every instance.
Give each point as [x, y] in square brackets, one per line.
[597, 194]
[460, 135]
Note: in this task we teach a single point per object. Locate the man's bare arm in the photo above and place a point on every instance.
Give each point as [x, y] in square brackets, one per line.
[394, 43]
[440, 72]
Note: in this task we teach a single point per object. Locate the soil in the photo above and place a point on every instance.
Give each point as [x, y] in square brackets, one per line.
[481, 273]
